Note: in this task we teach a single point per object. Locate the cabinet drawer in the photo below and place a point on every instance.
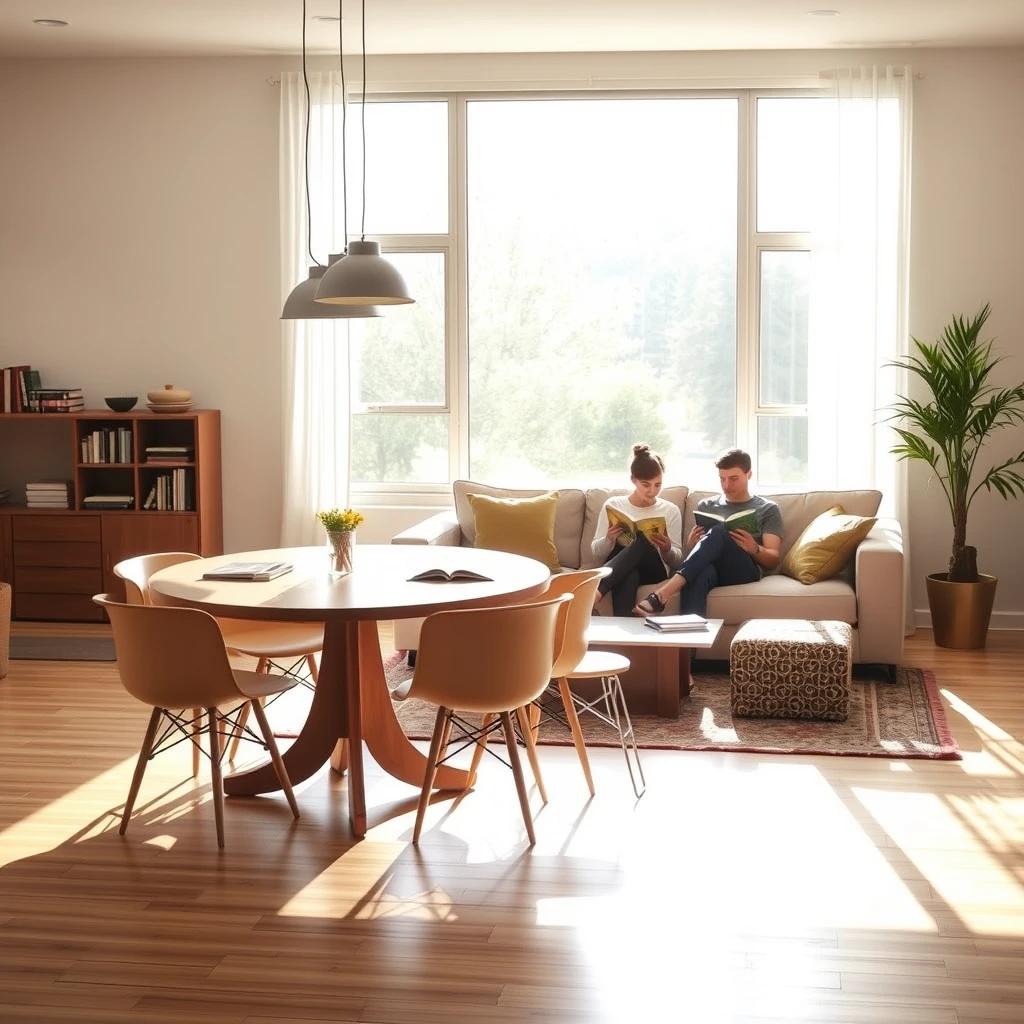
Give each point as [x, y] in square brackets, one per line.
[56, 528]
[64, 555]
[58, 581]
[58, 607]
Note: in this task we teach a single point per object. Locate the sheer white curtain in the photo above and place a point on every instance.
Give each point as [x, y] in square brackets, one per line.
[858, 313]
[314, 361]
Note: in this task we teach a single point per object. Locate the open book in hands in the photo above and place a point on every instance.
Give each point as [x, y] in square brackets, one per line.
[630, 528]
[455, 576]
[746, 519]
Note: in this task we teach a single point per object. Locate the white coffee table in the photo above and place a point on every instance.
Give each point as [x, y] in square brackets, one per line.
[673, 652]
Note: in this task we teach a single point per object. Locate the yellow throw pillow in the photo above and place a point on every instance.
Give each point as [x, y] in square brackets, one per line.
[828, 543]
[522, 526]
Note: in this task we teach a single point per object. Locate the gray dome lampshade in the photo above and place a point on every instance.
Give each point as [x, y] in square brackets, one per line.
[300, 304]
[363, 277]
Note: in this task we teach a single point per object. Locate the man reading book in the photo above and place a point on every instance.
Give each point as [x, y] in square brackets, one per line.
[719, 555]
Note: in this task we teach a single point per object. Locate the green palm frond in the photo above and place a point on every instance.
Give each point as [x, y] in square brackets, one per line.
[949, 428]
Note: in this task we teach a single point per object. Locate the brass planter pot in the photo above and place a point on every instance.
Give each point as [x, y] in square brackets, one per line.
[960, 611]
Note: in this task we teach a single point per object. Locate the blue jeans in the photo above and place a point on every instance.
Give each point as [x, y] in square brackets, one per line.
[715, 561]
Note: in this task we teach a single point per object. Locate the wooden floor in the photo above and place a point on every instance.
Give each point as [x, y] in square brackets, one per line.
[741, 888]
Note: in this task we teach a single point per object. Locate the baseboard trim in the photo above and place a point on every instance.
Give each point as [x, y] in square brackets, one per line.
[999, 620]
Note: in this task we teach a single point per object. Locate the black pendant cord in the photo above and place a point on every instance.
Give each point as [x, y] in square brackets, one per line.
[344, 129]
[309, 205]
[362, 114]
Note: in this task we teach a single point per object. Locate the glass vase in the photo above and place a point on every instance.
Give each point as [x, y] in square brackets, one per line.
[341, 544]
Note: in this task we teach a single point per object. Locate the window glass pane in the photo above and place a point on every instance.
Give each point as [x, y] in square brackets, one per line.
[399, 448]
[788, 172]
[781, 450]
[602, 285]
[399, 358]
[406, 168]
[784, 305]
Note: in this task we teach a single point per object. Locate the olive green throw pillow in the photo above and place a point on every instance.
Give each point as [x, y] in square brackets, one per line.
[828, 543]
[522, 526]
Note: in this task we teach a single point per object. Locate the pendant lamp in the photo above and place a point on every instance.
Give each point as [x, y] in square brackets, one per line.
[362, 276]
[301, 304]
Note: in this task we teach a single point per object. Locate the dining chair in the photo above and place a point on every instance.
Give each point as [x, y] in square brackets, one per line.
[174, 658]
[490, 661]
[575, 662]
[265, 641]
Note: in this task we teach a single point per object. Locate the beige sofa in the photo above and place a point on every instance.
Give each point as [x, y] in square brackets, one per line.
[869, 594]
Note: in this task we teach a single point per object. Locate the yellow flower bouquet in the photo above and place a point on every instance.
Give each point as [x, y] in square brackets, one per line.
[336, 520]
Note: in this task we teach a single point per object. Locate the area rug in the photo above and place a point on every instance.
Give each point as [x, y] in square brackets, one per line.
[899, 719]
[62, 648]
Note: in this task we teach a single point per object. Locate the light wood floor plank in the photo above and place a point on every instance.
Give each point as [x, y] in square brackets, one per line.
[742, 888]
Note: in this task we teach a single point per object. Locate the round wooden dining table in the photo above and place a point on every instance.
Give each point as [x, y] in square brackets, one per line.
[351, 701]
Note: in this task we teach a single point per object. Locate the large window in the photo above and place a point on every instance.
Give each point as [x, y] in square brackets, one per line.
[589, 272]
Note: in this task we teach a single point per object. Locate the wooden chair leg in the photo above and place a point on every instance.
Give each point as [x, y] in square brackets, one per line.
[275, 755]
[218, 781]
[440, 725]
[517, 771]
[314, 672]
[237, 730]
[197, 728]
[479, 750]
[531, 750]
[577, 733]
[140, 768]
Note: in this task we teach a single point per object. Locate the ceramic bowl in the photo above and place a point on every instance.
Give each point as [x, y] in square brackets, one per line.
[170, 394]
[123, 403]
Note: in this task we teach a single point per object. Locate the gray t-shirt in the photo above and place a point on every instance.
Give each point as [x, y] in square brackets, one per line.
[769, 515]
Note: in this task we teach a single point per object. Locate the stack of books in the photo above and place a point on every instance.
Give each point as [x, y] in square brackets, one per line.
[256, 571]
[169, 453]
[677, 623]
[15, 384]
[48, 494]
[108, 501]
[56, 399]
[109, 444]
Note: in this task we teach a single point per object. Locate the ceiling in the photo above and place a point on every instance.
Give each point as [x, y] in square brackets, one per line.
[154, 28]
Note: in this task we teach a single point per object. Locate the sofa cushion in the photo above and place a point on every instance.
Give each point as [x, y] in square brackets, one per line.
[798, 510]
[568, 515]
[781, 597]
[522, 526]
[828, 543]
[597, 496]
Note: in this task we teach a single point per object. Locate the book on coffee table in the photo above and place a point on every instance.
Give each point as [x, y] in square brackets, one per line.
[258, 571]
[676, 623]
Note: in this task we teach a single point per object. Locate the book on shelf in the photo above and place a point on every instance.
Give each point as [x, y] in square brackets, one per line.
[630, 527]
[12, 389]
[258, 571]
[454, 576]
[688, 623]
[745, 519]
[108, 501]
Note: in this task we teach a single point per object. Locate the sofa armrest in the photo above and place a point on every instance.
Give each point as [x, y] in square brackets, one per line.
[441, 528]
[881, 597]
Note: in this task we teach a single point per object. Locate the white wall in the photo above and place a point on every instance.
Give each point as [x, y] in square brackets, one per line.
[139, 238]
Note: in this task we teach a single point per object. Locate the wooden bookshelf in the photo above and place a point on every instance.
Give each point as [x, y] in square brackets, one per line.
[56, 559]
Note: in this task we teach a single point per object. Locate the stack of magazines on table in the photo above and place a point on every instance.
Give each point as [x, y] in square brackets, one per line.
[691, 622]
[257, 571]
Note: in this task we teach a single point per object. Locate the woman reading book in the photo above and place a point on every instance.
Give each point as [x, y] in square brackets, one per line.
[639, 535]
[736, 537]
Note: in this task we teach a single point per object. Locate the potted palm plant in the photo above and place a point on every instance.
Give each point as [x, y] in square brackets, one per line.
[948, 429]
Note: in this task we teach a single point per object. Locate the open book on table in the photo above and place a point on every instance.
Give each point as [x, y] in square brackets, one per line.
[746, 519]
[691, 622]
[630, 527]
[257, 571]
[455, 576]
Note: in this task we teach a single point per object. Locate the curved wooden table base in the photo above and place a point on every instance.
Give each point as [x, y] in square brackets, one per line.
[362, 714]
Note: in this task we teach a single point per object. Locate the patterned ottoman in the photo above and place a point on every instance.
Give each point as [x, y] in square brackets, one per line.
[791, 668]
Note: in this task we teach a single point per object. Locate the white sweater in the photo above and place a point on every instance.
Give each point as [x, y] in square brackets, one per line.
[601, 547]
